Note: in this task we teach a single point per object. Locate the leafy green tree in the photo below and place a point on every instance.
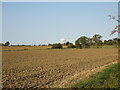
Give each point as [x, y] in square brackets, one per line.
[97, 40]
[110, 42]
[113, 42]
[105, 42]
[83, 42]
[78, 44]
[100, 43]
[90, 41]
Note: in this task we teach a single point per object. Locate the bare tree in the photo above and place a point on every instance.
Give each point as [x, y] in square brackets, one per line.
[117, 28]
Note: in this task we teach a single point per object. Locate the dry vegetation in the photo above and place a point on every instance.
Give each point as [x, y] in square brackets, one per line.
[47, 68]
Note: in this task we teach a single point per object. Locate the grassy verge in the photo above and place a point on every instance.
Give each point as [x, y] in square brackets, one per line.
[108, 78]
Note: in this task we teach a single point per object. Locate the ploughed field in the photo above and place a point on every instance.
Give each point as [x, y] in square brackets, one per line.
[47, 68]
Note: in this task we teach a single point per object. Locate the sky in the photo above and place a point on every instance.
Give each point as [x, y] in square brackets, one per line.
[0, 22]
[48, 22]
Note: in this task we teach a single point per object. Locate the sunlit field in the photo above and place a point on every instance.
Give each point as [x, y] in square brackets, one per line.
[39, 68]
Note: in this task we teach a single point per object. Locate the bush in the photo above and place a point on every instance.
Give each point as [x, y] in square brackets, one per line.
[70, 45]
[57, 45]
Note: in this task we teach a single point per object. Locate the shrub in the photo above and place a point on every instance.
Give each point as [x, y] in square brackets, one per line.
[70, 45]
[57, 45]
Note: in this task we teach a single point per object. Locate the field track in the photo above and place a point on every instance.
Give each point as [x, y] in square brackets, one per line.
[49, 68]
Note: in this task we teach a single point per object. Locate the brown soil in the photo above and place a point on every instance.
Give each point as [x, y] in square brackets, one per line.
[51, 68]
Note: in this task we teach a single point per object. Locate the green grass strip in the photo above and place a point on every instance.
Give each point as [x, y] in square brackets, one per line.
[108, 78]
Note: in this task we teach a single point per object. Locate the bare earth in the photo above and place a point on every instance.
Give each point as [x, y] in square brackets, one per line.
[51, 68]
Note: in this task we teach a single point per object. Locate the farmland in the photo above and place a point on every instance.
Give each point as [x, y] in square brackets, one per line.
[50, 68]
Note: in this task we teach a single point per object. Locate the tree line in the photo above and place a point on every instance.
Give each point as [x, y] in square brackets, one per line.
[95, 41]
[86, 42]
[81, 42]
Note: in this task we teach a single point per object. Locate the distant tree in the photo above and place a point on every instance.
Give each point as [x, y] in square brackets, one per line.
[96, 40]
[78, 44]
[90, 41]
[67, 42]
[110, 42]
[113, 41]
[87, 46]
[70, 45]
[7, 43]
[49, 44]
[83, 41]
[105, 42]
[100, 43]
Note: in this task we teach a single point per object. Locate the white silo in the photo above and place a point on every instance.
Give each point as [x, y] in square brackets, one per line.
[63, 40]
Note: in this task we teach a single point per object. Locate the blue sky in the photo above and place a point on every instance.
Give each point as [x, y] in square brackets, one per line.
[0, 22]
[48, 22]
